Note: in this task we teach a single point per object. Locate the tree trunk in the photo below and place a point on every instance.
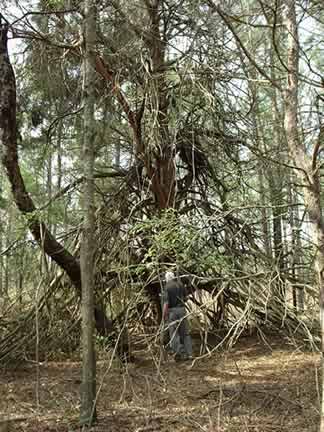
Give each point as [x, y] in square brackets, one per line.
[293, 247]
[261, 168]
[264, 213]
[9, 160]
[158, 159]
[59, 163]
[1, 265]
[49, 180]
[163, 174]
[88, 388]
[8, 260]
[276, 174]
[308, 168]
[117, 153]
[20, 276]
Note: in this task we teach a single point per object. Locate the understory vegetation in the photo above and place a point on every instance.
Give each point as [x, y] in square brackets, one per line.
[206, 135]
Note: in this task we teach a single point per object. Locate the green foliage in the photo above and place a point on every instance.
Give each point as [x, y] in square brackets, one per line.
[3, 201]
[173, 239]
[54, 4]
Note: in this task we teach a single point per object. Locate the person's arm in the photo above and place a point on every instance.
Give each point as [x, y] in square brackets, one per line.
[165, 311]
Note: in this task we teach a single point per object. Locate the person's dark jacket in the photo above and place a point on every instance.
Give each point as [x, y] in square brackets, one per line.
[176, 293]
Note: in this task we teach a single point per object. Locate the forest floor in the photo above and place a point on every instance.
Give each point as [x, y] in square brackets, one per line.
[254, 386]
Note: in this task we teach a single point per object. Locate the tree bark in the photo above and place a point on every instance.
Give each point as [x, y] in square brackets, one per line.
[308, 168]
[8, 235]
[162, 173]
[88, 388]
[276, 173]
[1, 265]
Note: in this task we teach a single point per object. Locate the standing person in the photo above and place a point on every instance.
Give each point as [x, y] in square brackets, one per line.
[174, 312]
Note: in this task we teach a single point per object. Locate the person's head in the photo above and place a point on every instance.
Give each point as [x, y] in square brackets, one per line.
[169, 275]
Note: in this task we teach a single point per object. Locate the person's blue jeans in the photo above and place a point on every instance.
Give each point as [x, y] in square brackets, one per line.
[180, 339]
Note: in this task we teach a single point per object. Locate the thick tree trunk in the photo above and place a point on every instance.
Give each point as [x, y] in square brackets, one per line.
[308, 168]
[88, 388]
[163, 172]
